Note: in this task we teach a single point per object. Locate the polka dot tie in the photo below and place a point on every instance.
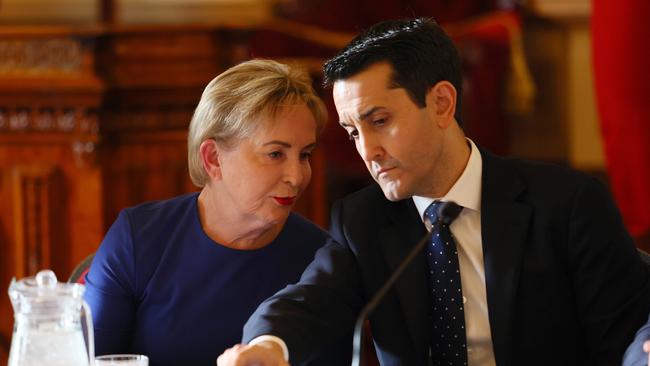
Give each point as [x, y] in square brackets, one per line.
[448, 341]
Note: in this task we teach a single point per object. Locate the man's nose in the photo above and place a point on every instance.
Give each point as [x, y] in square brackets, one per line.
[368, 147]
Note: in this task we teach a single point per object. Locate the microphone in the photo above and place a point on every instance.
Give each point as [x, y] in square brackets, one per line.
[447, 212]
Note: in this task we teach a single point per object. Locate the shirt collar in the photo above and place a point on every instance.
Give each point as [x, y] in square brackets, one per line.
[467, 189]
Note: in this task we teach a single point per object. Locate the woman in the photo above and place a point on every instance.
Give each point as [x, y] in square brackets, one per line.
[177, 279]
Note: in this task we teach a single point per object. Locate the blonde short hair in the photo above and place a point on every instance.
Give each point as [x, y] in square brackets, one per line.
[232, 104]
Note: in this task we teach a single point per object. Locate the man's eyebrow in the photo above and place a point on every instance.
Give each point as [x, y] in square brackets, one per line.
[362, 116]
[368, 113]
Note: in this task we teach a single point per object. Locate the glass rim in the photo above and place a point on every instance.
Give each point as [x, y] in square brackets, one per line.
[121, 357]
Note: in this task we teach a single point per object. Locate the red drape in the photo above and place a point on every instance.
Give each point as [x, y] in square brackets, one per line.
[620, 36]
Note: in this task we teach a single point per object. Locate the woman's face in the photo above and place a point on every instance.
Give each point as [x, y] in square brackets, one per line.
[263, 175]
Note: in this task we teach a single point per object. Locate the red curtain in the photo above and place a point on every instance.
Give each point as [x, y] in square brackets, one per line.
[620, 36]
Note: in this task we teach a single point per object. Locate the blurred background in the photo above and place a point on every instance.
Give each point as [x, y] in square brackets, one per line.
[96, 97]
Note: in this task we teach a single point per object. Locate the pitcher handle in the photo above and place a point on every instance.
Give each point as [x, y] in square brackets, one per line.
[90, 331]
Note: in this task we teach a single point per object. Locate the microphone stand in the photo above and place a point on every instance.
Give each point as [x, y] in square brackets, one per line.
[357, 344]
[446, 213]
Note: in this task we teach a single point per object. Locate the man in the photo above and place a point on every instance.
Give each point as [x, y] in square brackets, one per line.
[538, 256]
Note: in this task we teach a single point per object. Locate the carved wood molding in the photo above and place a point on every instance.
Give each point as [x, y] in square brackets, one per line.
[38, 56]
[36, 193]
[29, 120]
[76, 127]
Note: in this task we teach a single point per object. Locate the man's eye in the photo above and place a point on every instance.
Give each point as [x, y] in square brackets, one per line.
[305, 156]
[379, 122]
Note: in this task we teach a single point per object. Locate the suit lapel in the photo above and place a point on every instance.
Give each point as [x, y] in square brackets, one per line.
[396, 240]
[504, 226]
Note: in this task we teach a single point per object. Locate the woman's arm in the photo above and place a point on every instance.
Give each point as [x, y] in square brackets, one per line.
[110, 289]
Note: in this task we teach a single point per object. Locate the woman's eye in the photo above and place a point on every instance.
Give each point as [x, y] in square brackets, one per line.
[275, 154]
[352, 135]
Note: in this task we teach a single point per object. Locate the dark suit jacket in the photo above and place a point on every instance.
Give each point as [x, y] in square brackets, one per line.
[565, 285]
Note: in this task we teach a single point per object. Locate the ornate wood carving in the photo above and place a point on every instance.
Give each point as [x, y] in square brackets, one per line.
[76, 127]
[37, 56]
[73, 121]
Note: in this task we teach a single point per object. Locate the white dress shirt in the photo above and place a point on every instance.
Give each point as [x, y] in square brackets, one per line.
[467, 231]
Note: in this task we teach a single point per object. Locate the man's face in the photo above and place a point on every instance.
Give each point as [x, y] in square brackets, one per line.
[400, 143]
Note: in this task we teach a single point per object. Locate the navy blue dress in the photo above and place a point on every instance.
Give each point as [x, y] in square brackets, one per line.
[159, 286]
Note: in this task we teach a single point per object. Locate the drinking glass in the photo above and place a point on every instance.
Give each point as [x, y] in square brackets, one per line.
[122, 360]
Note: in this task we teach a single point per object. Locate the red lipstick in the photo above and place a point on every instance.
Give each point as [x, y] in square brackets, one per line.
[285, 201]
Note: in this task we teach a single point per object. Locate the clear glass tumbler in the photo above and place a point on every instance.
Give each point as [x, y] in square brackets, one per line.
[122, 360]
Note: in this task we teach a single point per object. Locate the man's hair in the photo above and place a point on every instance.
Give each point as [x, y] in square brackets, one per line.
[242, 99]
[419, 51]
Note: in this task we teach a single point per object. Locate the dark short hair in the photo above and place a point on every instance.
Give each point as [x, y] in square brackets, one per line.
[420, 52]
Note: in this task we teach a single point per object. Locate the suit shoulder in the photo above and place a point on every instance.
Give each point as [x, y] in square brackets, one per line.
[370, 196]
[544, 186]
[550, 176]
[368, 207]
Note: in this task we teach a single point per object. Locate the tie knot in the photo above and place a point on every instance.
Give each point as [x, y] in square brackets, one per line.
[445, 211]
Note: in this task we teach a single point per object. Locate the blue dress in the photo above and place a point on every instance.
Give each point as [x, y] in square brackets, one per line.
[159, 286]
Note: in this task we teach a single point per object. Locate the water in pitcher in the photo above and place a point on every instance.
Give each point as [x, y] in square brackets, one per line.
[43, 347]
[48, 319]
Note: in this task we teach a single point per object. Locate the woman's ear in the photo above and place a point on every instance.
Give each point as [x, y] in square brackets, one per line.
[441, 99]
[209, 153]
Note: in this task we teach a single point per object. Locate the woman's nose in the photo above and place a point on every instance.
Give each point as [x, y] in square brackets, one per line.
[294, 173]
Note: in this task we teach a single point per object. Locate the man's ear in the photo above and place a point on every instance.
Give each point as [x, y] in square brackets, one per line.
[441, 100]
[209, 153]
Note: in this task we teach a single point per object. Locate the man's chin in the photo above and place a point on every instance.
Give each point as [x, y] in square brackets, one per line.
[392, 193]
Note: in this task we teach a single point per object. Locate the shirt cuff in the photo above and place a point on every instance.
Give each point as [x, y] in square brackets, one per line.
[274, 339]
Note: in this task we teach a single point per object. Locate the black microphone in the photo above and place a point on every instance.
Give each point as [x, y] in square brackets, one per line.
[447, 212]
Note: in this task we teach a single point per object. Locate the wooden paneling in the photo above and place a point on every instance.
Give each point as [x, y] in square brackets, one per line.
[155, 77]
[145, 166]
[36, 193]
[50, 180]
[51, 217]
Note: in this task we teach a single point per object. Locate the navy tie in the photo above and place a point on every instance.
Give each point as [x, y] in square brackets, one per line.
[448, 340]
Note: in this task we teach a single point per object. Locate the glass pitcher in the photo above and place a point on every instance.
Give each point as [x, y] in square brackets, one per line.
[48, 323]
